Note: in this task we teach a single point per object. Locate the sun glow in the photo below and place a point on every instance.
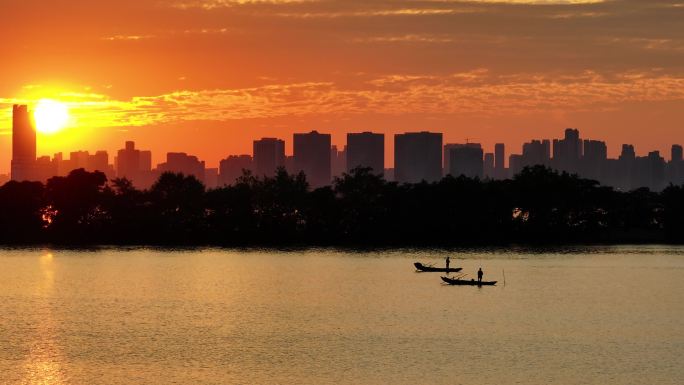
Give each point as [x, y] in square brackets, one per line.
[50, 116]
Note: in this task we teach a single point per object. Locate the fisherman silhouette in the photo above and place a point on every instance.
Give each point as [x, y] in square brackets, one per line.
[447, 263]
[479, 275]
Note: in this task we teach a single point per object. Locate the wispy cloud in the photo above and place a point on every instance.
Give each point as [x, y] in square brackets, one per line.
[127, 37]
[473, 92]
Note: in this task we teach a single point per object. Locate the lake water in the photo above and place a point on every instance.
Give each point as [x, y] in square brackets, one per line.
[600, 315]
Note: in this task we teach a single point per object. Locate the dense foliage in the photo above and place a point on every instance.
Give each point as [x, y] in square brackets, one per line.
[537, 206]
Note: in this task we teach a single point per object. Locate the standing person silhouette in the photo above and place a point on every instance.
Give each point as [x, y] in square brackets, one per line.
[479, 275]
[447, 263]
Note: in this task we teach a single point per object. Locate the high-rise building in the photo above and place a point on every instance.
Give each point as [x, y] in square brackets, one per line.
[23, 144]
[500, 160]
[128, 162]
[594, 160]
[338, 161]
[269, 155]
[676, 153]
[211, 177]
[180, 162]
[417, 157]
[135, 165]
[312, 156]
[45, 169]
[466, 160]
[446, 158]
[99, 162]
[567, 152]
[676, 166]
[625, 179]
[515, 165]
[536, 153]
[145, 161]
[366, 149]
[650, 171]
[628, 152]
[489, 166]
[233, 167]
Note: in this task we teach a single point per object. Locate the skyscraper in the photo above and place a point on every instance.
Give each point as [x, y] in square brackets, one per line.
[338, 161]
[676, 153]
[180, 162]
[417, 157]
[269, 154]
[567, 152]
[312, 156]
[128, 162]
[536, 152]
[676, 165]
[489, 165]
[466, 160]
[366, 149]
[23, 144]
[500, 160]
[135, 165]
[626, 168]
[446, 158]
[594, 159]
[232, 168]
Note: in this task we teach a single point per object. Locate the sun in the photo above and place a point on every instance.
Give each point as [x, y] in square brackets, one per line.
[50, 116]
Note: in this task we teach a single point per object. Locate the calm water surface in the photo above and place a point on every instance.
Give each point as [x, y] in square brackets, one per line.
[112, 316]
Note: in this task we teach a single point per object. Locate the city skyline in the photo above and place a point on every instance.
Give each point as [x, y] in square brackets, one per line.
[418, 156]
[212, 75]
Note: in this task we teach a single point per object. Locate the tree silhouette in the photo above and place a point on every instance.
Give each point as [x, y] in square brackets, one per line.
[75, 201]
[177, 203]
[360, 208]
[22, 207]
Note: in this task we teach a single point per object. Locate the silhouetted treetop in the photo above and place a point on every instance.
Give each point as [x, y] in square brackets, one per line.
[360, 208]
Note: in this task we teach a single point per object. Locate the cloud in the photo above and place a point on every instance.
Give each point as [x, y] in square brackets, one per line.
[473, 92]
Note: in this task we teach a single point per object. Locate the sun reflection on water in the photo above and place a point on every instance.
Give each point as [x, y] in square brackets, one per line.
[42, 366]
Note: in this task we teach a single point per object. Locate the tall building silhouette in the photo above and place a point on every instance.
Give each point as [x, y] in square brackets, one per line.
[231, 168]
[594, 159]
[211, 176]
[466, 160]
[269, 155]
[446, 158]
[23, 144]
[676, 153]
[366, 149]
[135, 165]
[489, 165]
[650, 171]
[128, 162]
[338, 161]
[417, 157]
[676, 165]
[625, 168]
[180, 162]
[536, 152]
[500, 160]
[312, 156]
[567, 152]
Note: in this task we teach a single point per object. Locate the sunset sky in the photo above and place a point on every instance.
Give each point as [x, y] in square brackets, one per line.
[209, 76]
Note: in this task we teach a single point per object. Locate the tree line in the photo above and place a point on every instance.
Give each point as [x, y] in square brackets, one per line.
[538, 205]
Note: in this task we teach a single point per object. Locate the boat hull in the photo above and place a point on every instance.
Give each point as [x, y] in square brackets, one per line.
[429, 269]
[463, 282]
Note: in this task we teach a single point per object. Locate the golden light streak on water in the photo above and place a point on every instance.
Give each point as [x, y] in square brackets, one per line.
[42, 365]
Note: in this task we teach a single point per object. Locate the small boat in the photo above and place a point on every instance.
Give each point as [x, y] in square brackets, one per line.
[464, 282]
[420, 267]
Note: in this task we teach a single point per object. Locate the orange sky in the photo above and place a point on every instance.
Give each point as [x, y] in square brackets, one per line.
[208, 76]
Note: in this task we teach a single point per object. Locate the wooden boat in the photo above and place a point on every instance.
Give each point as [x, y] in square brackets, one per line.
[420, 267]
[464, 282]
